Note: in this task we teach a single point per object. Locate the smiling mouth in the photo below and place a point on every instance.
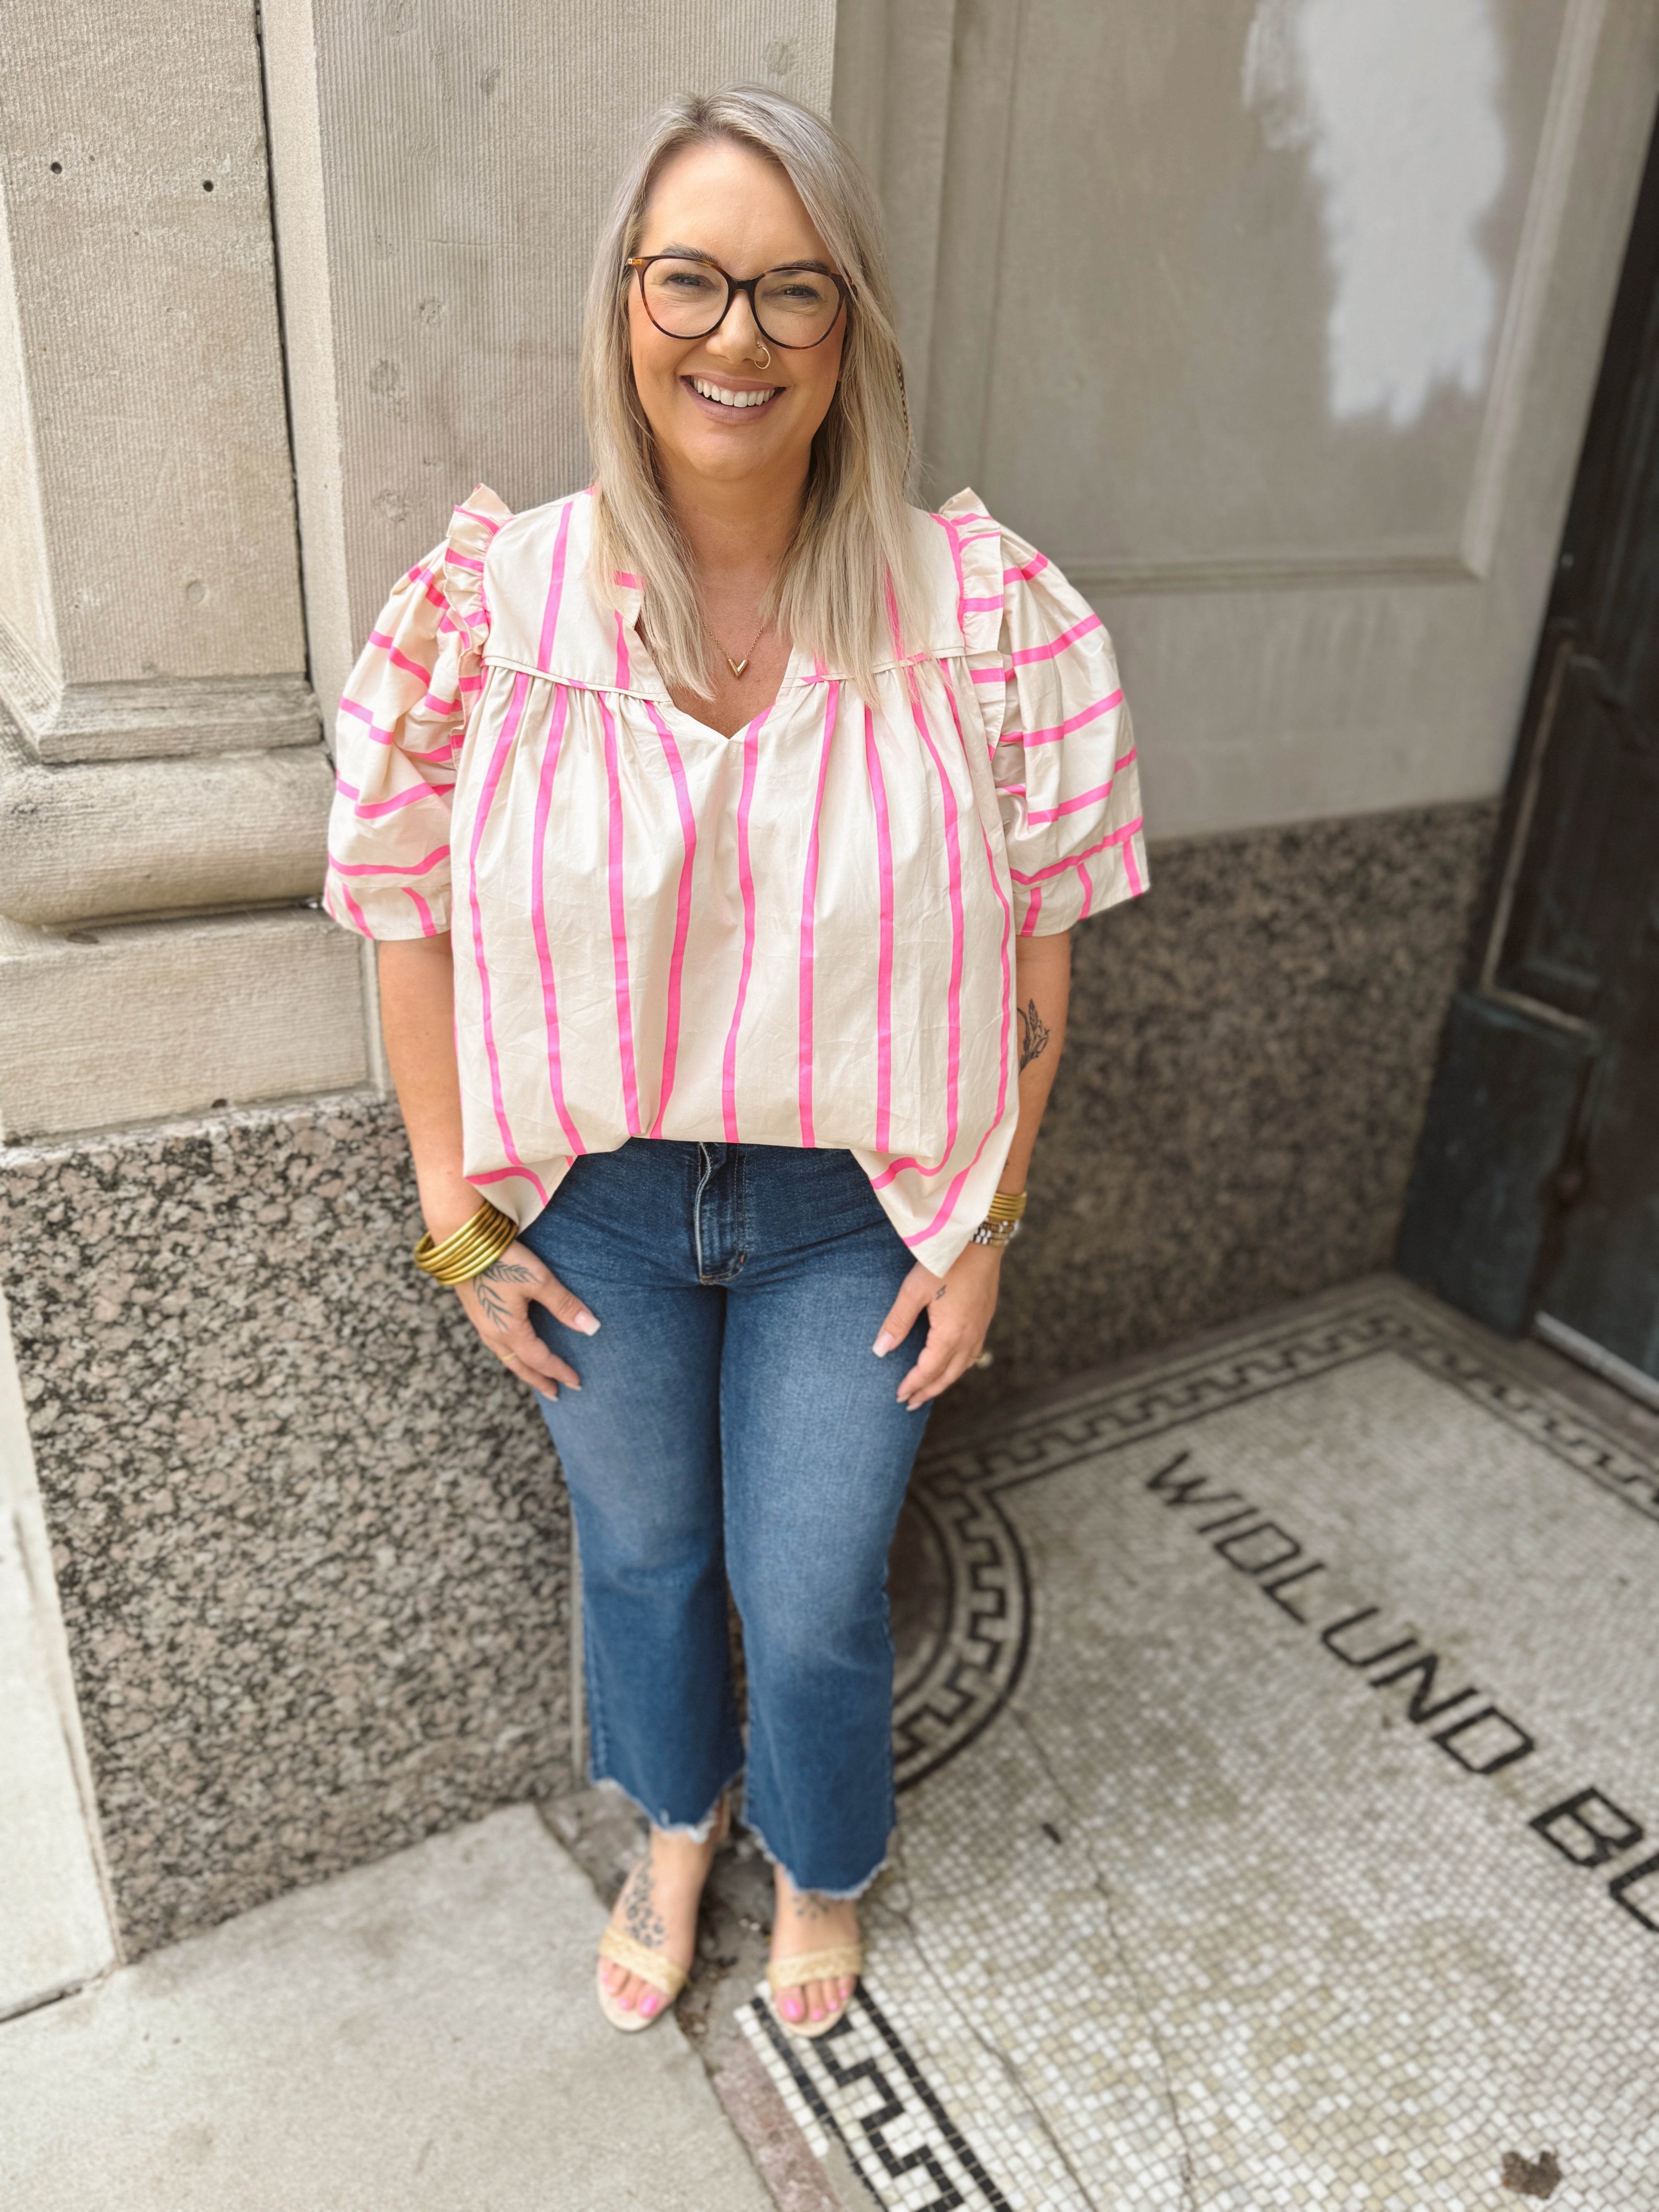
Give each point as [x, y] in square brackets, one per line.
[735, 399]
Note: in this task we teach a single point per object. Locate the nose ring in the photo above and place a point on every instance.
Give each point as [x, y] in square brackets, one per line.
[763, 357]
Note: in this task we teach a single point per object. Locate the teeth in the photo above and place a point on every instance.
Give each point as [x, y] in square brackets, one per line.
[724, 399]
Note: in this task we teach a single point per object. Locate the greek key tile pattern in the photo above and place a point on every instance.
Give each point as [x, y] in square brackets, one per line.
[1281, 1819]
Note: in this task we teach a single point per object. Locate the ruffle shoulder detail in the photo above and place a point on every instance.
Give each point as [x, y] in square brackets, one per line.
[977, 549]
[473, 529]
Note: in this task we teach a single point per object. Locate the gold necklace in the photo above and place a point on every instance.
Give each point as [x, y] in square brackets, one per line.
[737, 667]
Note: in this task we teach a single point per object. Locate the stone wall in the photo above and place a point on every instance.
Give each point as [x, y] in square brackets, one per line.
[311, 1544]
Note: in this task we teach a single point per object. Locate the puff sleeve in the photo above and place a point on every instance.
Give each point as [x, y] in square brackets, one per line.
[1062, 749]
[401, 726]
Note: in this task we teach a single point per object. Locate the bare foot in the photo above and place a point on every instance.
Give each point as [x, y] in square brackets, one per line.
[804, 1921]
[658, 1908]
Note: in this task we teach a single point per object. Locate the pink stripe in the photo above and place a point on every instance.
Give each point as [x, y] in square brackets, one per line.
[486, 799]
[950, 532]
[993, 675]
[396, 803]
[1058, 730]
[484, 522]
[619, 923]
[808, 900]
[953, 1002]
[1116, 837]
[356, 912]
[438, 755]
[1056, 646]
[981, 606]
[539, 915]
[351, 707]
[1083, 799]
[671, 1039]
[1028, 927]
[399, 658]
[947, 1206]
[1034, 567]
[428, 927]
[554, 594]
[436, 705]
[622, 678]
[1136, 886]
[746, 885]
[628, 583]
[346, 790]
[454, 560]
[884, 954]
[504, 1175]
[374, 868]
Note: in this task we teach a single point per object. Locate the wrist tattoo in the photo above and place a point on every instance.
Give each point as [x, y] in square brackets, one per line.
[487, 1288]
[1033, 1034]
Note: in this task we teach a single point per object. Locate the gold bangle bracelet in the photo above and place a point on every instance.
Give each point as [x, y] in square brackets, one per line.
[1006, 1206]
[477, 1244]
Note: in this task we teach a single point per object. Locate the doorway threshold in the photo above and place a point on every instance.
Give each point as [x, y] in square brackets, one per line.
[1599, 1360]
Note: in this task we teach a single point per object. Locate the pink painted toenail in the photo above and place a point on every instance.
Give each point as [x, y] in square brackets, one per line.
[792, 2008]
[649, 2006]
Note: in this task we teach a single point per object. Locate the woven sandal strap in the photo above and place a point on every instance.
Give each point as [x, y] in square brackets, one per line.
[815, 1966]
[663, 1975]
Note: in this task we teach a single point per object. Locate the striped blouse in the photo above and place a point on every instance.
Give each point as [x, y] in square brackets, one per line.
[801, 935]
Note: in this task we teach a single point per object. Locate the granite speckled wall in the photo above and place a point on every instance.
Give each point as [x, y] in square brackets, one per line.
[312, 1544]
[1245, 1076]
[312, 1547]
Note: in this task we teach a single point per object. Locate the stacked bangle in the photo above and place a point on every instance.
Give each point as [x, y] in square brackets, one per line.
[476, 1245]
[1001, 1223]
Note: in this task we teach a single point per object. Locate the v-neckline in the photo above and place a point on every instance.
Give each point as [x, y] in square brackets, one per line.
[708, 729]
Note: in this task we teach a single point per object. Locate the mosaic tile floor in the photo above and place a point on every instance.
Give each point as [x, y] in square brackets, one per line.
[1281, 1817]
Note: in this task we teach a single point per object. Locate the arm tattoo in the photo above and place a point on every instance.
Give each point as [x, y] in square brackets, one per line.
[489, 1297]
[1033, 1034]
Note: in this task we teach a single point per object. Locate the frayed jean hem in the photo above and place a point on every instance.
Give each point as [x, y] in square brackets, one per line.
[831, 1896]
[694, 1831]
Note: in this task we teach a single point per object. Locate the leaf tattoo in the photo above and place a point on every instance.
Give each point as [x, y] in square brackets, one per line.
[1033, 1033]
[487, 1286]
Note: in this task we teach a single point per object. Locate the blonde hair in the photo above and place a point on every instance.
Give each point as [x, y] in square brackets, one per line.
[848, 580]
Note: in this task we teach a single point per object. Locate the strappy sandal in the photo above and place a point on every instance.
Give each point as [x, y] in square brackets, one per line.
[833, 1966]
[654, 1968]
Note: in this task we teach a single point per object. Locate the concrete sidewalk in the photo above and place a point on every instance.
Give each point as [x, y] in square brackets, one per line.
[417, 2036]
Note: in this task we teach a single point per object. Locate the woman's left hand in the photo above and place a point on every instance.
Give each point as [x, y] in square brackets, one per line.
[959, 1306]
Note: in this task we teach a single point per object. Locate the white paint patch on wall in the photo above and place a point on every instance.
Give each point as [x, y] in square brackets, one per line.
[1397, 108]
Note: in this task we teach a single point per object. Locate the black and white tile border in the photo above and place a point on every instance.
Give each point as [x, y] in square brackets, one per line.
[984, 1633]
[862, 2089]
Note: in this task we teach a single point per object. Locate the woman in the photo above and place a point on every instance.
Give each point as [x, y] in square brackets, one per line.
[721, 827]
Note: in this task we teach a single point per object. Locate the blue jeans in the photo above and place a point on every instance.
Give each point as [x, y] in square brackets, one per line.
[733, 1425]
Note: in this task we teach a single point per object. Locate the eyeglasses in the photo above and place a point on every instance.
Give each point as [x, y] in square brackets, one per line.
[690, 299]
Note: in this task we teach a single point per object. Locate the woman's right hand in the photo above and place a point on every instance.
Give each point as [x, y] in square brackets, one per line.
[498, 1303]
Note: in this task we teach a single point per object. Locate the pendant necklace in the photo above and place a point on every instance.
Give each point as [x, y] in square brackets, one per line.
[737, 667]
